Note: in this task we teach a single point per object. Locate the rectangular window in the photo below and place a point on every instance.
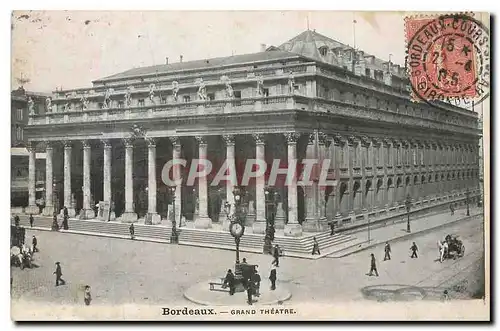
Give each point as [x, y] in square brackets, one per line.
[163, 100]
[141, 103]
[20, 114]
[100, 105]
[120, 104]
[265, 95]
[211, 96]
[186, 98]
[368, 72]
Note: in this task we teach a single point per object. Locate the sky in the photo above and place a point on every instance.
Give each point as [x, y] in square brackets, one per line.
[70, 49]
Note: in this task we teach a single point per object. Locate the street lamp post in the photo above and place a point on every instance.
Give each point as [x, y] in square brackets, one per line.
[408, 206]
[237, 229]
[270, 196]
[467, 195]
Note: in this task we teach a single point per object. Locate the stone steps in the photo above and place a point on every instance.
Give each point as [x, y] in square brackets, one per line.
[299, 246]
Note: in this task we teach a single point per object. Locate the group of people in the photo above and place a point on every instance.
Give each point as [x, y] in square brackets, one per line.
[250, 280]
[387, 256]
[55, 222]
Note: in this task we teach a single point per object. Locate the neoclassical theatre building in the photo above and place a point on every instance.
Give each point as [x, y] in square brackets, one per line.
[312, 97]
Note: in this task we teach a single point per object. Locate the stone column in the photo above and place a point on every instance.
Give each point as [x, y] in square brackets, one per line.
[129, 216]
[49, 199]
[230, 159]
[311, 223]
[32, 207]
[338, 146]
[87, 211]
[292, 228]
[203, 221]
[152, 216]
[177, 173]
[67, 179]
[107, 171]
[259, 226]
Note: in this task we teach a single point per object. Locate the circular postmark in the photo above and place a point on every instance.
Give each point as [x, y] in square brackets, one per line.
[448, 59]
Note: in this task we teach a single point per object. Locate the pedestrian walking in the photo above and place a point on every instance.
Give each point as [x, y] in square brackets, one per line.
[31, 220]
[55, 224]
[65, 222]
[249, 289]
[58, 274]
[256, 282]
[332, 228]
[315, 247]
[276, 255]
[452, 209]
[65, 211]
[87, 296]
[414, 250]
[132, 231]
[373, 266]
[229, 281]
[387, 250]
[34, 243]
[272, 278]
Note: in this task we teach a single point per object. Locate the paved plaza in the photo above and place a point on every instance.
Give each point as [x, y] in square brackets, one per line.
[124, 271]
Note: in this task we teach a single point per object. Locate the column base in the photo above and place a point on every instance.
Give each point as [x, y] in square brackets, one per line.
[293, 230]
[279, 223]
[128, 217]
[203, 223]
[32, 210]
[259, 227]
[250, 220]
[225, 224]
[314, 225]
[48, 211]
[152, 219]
[71, 212]
[86, 214]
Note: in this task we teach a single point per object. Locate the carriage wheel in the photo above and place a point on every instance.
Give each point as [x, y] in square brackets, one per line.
[462, 251]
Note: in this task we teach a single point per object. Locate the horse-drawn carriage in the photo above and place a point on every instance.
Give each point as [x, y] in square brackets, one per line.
[451, 247]
[456, 247]
[20, 255]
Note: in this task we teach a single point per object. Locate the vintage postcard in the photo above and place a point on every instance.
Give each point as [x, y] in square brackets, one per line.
[260, 165]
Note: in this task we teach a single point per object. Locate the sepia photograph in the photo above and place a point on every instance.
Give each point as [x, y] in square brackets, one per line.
[249, 165]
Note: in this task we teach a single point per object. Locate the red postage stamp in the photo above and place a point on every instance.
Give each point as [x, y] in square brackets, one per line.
[447, 57]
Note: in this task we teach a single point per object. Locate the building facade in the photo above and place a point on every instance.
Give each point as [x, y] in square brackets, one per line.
[310, 98]
[22, 102]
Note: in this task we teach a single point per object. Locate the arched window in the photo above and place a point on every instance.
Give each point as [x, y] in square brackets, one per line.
[323, 50]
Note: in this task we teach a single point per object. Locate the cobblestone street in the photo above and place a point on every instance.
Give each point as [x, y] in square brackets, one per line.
[124, 271]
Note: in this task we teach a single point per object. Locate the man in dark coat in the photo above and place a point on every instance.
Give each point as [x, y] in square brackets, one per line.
[31, 220]
[34, 242]
[55, 225]
[132, 231]
[315, 247]
[452, 209]
[65, 211]
[387, 250]
[65, 222]
[249, 289]
[276, 255]
[414, 250]
[272, 279]
[256, 282]
[58, 274]
[332, 228]
[230, 281]
[373, 266]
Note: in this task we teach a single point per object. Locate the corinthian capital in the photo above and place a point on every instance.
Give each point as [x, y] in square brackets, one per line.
[106, 143]
[175, 140]
[202, 140]
[151, 141]
[259, 138]
[323, 138]
[128, 142]
[291, 137]
[228, 139]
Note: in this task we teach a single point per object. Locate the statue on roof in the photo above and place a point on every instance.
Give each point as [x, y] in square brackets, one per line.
[85, 102]
[175, 90]
[67, 106]
[260, 86]
[202, 90]
[291, 83]
[48, 104]
[152, 88]
[107, 99]
[31, 106]
[128, 96]
[229, 90]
